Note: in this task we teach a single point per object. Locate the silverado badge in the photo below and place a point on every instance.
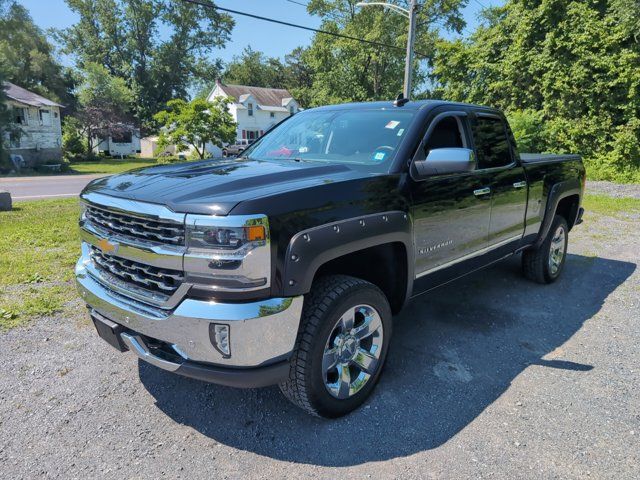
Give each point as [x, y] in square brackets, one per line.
[107, 247]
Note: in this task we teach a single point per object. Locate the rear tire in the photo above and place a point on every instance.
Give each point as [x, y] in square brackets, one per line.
[545, 264]
[341, 346]
[225, 154]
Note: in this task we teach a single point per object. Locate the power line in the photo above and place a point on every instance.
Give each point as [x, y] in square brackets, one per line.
[298, 3]
[302, 27]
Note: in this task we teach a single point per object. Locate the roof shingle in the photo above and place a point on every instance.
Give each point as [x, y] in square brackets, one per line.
[264, 96]
[23, 95]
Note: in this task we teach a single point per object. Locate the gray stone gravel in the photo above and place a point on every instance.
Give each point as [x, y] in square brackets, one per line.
[489, 377]
[614, 189]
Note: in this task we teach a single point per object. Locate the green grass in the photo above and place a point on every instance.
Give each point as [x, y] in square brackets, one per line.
[111, 166]
[39, 245]
[611, 206]
[108, 166]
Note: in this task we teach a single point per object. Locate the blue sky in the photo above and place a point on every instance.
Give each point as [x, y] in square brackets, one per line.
[274, 40]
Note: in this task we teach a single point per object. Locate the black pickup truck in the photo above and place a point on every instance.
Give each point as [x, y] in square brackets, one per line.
[285, 266]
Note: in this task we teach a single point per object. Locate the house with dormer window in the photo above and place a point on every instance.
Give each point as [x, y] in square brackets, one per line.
[255, 109]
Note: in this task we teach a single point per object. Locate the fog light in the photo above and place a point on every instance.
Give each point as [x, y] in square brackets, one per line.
[219, 336]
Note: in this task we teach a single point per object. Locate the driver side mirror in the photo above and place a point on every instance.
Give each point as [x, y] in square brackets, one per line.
[441, 161]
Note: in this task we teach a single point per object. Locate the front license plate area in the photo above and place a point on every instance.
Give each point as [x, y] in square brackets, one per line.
[110, 332]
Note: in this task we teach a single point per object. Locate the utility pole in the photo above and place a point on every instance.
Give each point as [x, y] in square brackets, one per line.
[411, 15]
[408, 68]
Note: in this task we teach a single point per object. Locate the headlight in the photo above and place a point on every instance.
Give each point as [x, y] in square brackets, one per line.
[228, 253]
[203, 235]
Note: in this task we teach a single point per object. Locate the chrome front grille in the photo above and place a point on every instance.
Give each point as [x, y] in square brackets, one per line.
[160, 231]
[152, 279]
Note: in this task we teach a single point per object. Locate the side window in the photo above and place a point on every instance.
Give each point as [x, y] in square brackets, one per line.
[492, 145]
[448, 133]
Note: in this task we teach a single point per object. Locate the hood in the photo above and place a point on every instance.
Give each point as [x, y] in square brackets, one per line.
[217, 186]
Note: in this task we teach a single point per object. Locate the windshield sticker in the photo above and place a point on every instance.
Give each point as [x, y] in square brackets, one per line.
[392, 124]
[379, 157]
[400, 132]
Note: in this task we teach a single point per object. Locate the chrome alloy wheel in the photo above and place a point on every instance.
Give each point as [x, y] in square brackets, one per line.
[556, 255]
[352, 353]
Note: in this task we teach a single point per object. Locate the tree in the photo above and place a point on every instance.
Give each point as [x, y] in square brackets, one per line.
[255, 69]
[196, 123]
[346, 70]
[575, 65]
[27, 58]
[105, 102]
[158, 46]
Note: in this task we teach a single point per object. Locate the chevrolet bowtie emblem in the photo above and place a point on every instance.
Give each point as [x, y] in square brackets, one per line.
[107, 247]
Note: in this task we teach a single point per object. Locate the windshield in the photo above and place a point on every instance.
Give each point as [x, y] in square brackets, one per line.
[366, 139]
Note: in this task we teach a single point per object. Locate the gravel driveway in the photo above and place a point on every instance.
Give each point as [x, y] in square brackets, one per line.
[492, 376]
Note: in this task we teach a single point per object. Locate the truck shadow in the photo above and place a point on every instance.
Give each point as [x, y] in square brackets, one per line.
[454, 352]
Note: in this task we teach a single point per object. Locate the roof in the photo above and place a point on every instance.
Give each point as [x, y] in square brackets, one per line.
[264, 96]
[23, 95]
[410, 105]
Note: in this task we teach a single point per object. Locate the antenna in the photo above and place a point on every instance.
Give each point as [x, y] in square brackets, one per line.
[400, 100]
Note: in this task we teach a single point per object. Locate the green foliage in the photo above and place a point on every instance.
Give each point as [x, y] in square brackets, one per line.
[105, 102]
[196, 123]
[160, 47]
[528, 128]
[74, 145]
[345, 70]
[27, 58]
[254, 68]
[575, 63]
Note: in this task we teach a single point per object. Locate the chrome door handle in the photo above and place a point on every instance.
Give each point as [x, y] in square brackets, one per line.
[482, 191]
[519, 184]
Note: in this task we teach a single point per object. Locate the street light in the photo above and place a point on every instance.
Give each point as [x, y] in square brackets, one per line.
[411, 15]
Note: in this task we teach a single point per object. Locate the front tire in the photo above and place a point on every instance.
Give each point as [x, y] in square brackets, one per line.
[341, 346]
[545, 264]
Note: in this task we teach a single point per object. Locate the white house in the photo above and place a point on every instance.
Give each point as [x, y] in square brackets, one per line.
[126, 143]
[38, 118]
[255, 109]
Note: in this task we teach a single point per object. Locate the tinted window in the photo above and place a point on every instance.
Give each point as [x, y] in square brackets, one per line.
[492, 146]
[446, 134]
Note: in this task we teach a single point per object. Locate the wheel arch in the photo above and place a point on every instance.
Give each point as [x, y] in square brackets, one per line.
[377, 248]
[563, 199]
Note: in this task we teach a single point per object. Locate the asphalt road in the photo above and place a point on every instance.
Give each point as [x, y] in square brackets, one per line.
[490, 377]
[33, 188]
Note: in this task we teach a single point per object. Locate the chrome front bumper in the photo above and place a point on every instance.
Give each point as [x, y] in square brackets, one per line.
[261, 332]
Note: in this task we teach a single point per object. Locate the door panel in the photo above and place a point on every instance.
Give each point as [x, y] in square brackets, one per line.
[508, 204]
[450, 221]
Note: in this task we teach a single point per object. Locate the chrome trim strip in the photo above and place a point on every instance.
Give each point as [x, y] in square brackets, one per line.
[137, 346]
[469, 256]
[133, 207]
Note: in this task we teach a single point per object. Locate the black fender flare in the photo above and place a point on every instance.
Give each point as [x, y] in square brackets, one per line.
[557, 192]
[309, 249]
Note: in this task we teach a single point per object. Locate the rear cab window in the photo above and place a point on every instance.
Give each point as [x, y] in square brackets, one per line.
[491, 142]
